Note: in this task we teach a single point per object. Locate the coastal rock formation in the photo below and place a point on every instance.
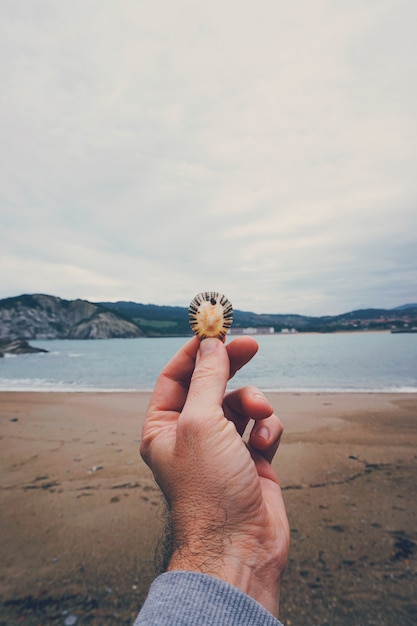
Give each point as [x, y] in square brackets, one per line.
[104, 325]
[17, 346]
[43, 317]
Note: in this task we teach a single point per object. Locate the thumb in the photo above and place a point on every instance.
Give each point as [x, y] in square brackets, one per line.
[209, 379]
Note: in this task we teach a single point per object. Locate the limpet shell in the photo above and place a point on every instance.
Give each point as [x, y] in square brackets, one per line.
[210, 314]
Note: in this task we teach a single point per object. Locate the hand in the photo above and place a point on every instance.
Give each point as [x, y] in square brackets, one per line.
[227, 514]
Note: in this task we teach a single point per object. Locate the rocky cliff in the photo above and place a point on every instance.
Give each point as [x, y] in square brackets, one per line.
[42, 316]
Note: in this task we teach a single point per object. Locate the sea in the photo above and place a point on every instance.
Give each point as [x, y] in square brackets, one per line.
[340, 362]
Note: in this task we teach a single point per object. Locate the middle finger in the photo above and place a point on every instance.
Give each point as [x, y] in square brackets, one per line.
[245, 404]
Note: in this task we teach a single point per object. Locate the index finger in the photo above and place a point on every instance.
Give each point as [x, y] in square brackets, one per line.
[172, 385]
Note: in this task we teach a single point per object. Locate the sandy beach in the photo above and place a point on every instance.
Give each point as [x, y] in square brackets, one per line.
[81, 515]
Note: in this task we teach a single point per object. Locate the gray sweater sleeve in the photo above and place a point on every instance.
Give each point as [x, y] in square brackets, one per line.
[193, 599]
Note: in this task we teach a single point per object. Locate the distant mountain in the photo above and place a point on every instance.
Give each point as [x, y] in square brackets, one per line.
[41, 316]
[404, 307]
[168, 320]
[173, 320]
[153, 319]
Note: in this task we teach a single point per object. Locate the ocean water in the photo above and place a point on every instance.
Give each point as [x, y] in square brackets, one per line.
[360, 362]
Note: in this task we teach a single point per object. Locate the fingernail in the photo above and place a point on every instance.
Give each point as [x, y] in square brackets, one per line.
[263, 432]
[208, 345]
[260, 396]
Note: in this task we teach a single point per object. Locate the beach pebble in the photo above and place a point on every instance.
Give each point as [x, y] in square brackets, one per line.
[71, 620]
[95, 468]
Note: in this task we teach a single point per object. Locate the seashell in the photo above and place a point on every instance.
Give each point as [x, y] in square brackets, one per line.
[210, 314]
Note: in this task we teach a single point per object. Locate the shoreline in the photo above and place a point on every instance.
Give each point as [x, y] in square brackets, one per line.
[292, 391]
[81, 514]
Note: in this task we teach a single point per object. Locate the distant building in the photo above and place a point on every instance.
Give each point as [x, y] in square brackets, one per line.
[259, 330]
[288, 331]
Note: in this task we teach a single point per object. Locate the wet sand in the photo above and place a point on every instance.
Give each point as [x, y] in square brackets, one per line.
[80, 513]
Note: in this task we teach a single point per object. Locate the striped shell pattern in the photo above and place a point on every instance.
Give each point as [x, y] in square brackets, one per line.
[210, 314]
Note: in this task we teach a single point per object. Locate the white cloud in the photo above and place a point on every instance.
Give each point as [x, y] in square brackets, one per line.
[151, 150]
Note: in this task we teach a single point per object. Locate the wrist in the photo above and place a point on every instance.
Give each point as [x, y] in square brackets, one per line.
[256, 571]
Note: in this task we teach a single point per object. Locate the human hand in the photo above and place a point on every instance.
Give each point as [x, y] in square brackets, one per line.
[228, 518]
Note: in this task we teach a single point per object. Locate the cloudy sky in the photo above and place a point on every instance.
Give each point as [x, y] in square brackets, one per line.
[152, 149]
